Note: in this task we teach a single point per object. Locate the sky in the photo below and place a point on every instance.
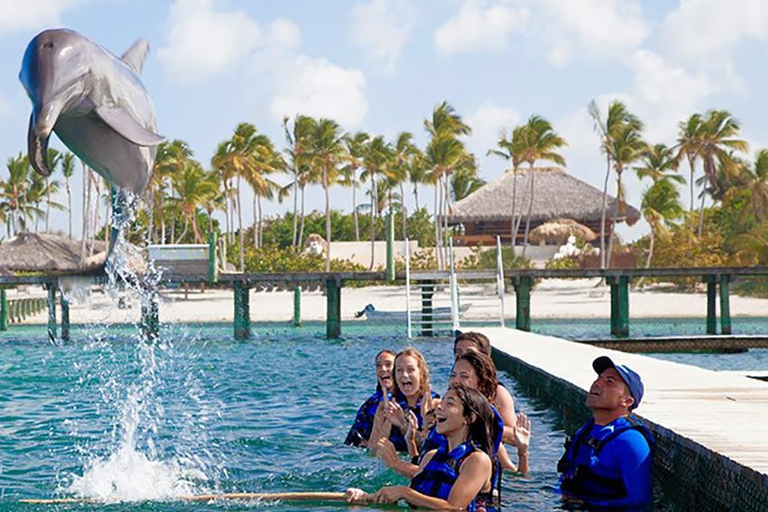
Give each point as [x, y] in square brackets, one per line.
[382, 65]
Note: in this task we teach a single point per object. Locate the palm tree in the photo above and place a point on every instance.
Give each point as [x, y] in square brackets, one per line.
[465, 181]
[661, 204]
[417, 174]
[51, 187]
[268, 161]
[194, 187]
[404, 152]
[718, 137]
[237, 157]
[510, 151]
[14, 194]
[659, 162]
[618, 115]
[626, 146]
[327, 153]
[170, 162]
[355, 146]
[68, 170]
[298, 150]
[376, 156]
[539, 142]
[689, 146]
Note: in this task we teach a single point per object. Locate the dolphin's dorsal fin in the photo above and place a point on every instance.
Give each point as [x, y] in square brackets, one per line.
[120, 120]
[136, 55]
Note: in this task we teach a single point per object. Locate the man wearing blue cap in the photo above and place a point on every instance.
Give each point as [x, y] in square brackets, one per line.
[608, 460]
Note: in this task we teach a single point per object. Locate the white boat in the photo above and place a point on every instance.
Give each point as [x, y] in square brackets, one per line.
[439, 313]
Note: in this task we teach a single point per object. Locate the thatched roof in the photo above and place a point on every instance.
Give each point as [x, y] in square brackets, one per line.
[45, 252]
[558, 231]
[557, 194]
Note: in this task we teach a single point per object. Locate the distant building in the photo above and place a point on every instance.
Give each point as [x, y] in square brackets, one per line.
[487, 212]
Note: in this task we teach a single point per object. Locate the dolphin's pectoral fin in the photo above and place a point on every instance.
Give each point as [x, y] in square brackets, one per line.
[136, 54]
[37, 149]
[120, 120]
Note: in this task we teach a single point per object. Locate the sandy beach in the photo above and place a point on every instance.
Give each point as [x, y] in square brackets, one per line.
[554, 298]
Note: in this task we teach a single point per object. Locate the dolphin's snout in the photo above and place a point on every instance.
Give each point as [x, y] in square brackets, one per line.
[45, 118]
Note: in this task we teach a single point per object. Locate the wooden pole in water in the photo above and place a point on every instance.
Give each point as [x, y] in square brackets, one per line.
[64, 318]
[522, 286]
[3, 310]
[711, 281]
[242, 311]
[297, 306]
[725, 306]
[333, 311]
[260, 496]
[52, 288]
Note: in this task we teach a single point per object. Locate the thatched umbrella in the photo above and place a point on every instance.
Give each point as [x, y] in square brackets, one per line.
[557, 231]
[46, 252]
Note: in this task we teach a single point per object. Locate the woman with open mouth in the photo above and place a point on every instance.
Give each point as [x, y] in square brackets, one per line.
[361, 429]
[412, 403]
[451, 476]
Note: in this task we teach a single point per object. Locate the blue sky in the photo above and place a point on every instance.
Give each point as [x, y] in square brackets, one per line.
[382, 65]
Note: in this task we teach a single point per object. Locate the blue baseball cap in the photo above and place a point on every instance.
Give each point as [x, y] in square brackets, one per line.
[630, 378]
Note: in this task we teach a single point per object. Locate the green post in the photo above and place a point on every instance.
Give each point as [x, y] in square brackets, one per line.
[623, 310]
[64, 318]
[333, 315]
[242, 311]
[3, 310]
[711, 281]
[390, 247]
[52, 288]
[213, 268]
[613, 283]
[725, 305]
[523, 303]
[296, 306]
[427, 292]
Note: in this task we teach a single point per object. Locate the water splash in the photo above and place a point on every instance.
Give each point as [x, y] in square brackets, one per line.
[134, 468]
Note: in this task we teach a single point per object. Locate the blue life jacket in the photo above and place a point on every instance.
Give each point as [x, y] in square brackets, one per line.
[582, 456]
[440, 473]
[363, 424]
[492, 498]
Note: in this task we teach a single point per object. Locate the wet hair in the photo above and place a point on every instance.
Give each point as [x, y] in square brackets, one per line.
[482, 427]
[423, 370]
[481, 341]
[385, 351]
[487, 383]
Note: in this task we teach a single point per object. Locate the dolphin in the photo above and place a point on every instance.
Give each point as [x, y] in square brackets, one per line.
[95, 103]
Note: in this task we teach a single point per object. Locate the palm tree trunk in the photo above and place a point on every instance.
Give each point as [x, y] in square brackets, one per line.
[255, 220]
[416, 194]
[530, 212]
[619, 170]
[512, 226]
[650, 247]
[240, 226]
[354, 208]
[438, 237]
[183, 231]
[295, 210]
[603, 259]
[258, 204]
[48, 205]
[403, 211]
[86, 215]
[301, 229]
[692, 164]
[195, 229]
[701, 211]
[374, 205]
[327, 222]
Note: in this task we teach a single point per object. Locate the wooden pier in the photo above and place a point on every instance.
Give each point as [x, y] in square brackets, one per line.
[712, 446]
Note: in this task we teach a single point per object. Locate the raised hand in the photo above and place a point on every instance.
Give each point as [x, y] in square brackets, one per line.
[385, 450]
[396, 416]
[522, 433]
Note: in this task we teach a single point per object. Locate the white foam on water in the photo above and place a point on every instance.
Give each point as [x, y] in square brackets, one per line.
[130, 473]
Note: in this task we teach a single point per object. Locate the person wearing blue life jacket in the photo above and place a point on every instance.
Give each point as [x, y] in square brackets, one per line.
[449, 477]
[476, 371]
[503, 400]
[360, 432]
[607, 462]
[412, 396]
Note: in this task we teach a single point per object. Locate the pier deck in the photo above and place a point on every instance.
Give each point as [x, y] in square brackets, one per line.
[716, 416]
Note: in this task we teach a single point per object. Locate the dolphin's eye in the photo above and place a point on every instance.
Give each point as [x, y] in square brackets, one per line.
[48, 45]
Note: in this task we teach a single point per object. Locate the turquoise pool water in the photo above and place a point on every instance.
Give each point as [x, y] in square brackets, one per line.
[199, 412]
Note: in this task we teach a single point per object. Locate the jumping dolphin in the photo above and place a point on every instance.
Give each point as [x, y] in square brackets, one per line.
[94, 102]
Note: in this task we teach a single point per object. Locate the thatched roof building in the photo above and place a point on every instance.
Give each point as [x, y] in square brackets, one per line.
[488, 211]
[45, 252]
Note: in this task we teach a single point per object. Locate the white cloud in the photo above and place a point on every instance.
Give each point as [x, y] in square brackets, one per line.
[588, 28]
[479, 27]
[707, 30]
[284, 33]
[382, 27]
[317, 87]
[19, 15]
[204, 41]
[489, 122]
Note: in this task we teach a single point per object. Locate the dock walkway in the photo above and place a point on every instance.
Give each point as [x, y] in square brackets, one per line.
[719, 418]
